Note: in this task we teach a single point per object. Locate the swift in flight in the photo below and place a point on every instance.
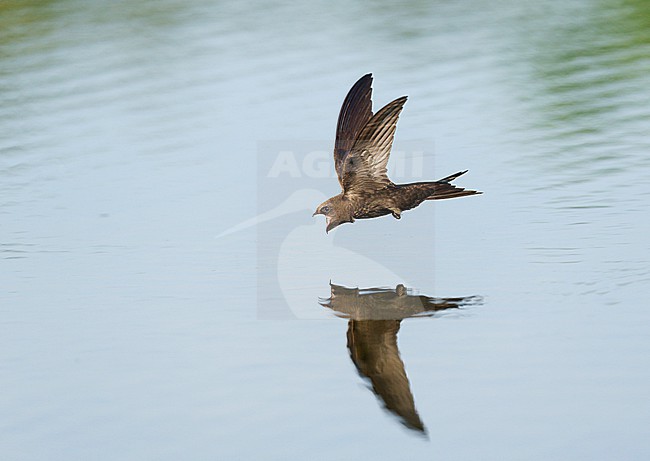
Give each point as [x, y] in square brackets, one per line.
[361, 151]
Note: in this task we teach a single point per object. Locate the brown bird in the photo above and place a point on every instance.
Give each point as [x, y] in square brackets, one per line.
[361, 151]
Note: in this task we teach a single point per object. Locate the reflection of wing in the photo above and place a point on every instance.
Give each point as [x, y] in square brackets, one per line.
[355, 113]
[365, 166]
[373, 349]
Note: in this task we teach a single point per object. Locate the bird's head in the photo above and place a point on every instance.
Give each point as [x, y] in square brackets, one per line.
[336, 212]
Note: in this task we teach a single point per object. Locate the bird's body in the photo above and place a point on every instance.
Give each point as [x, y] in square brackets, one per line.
[396, 198]
[361, 152]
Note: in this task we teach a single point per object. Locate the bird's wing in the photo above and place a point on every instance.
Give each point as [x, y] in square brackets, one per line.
[365, 166]
[355, 113]
[373, 349]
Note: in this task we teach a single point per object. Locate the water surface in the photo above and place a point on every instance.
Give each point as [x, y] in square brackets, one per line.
[132, 135]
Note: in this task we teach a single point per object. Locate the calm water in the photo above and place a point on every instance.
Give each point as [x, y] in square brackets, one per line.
[136, 324]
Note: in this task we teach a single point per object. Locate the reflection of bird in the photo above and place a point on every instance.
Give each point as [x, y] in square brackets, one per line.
[375, 315]
[361, 151]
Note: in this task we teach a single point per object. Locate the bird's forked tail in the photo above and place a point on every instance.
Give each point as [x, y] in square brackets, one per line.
[443, 189]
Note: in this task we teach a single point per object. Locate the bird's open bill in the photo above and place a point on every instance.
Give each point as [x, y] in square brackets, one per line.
[328, 221]
[330, 224]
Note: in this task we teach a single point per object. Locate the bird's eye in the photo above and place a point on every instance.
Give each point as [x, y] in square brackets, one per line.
[325, 209]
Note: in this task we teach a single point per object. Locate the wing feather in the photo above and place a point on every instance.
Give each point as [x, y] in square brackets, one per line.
[365, 166]
[355, 113]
